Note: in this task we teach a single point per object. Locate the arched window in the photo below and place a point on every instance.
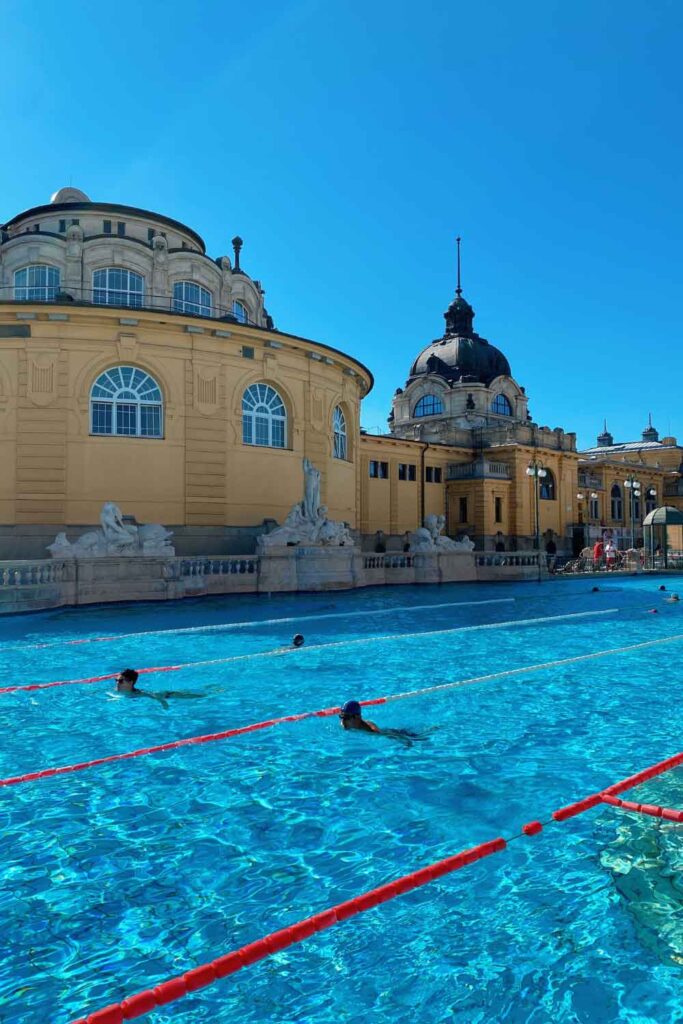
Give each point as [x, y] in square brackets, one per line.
[617, 507]
[429, 405]
[37, 283]
[339, 427]
[547, 486]
[114, 286]
[264, 417]
[501, 406]
[125, 400]
[239, 311]
[189, 297]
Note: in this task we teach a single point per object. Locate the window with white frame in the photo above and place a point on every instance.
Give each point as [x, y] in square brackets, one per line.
[340, 438]
[189, 297]
[36, 283]
[429, 405]
[114, 286]
[593, 508]
[264, 417]
[547, 486]
[501, 406]
[239, 311]
[126, 401]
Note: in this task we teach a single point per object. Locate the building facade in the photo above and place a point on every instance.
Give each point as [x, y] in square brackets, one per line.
[135, 368]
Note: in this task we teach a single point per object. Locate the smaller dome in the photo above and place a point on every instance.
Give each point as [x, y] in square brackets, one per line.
[69, 195]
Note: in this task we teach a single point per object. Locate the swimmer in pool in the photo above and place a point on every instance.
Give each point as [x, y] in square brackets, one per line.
[673, 599]
[126, 680]
[351, 717]
[298, 640]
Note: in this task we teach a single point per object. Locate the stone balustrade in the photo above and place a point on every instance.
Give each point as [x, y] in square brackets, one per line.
[31, 574]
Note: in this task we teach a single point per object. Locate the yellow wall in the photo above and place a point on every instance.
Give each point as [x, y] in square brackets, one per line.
[200, 473]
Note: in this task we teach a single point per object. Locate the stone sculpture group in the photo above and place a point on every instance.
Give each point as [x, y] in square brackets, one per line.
[307, 522]
[428, 537]
[115, 538]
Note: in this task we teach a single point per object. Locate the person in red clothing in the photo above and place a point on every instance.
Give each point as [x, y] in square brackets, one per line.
[598, 552]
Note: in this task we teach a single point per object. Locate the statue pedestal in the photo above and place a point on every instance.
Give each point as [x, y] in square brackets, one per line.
[444, 566]
[310, 567]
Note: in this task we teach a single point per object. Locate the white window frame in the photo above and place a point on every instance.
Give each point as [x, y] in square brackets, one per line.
[264, 417]
[48, 290]
[501, 396]
[125, 391]
[435, 398]
[341, 440]
[111, 295]
[240, 311]
[194, 298]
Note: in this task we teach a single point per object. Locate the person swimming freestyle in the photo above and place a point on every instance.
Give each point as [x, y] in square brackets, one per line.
[351, 717]
[126, 680]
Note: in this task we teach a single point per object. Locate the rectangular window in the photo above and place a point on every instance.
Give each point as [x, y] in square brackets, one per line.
[36, 227]
[437, 474]
[150, 234]
[378, 470]
[120, 228]
[429, 474]
[499, 510]
[101, 417]
[412, 472]
[463, 510]
[75, 222]
[247, 352]
[106, 227]
[402, 471]
[150, 421]
[384, 470]
[62, 227]
[126, 419]
[373, 469]
[594, 510]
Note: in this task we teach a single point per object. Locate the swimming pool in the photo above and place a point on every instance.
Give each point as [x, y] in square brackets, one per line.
[121, 876]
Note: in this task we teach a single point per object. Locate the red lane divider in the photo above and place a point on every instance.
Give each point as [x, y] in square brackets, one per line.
[66, 769]
[169, 991]
[200, 977]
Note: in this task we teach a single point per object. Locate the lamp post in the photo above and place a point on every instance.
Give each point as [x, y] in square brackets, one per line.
[633, 486]
[537, 470]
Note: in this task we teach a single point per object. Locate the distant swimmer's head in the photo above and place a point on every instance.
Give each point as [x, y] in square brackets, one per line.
[662, 587]
[126, 680]
[652, 611]
[674, 598]
[349, 710]
[298, 640]
[595, 590]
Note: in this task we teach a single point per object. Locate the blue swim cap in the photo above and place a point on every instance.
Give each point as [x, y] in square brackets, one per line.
[351, 709]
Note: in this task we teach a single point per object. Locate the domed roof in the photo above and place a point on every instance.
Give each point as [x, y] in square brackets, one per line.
[69, 195]
[461, 354]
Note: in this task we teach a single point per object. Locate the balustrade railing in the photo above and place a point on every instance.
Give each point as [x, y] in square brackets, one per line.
[508, 559]
[233, 566]
[389, 561]
[30, 574]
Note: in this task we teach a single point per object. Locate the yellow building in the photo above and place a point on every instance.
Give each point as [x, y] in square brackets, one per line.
[620, 483]
[135, 368]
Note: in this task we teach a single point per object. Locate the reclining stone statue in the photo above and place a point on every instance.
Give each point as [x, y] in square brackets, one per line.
[307, 522]
[115, 537]
[429, 537]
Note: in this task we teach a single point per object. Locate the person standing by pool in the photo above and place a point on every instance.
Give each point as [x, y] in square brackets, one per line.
[598, 551]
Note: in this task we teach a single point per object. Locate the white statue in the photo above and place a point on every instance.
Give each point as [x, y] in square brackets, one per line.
[115, 538]
[307, 521]
[429, 537]
[311, 502]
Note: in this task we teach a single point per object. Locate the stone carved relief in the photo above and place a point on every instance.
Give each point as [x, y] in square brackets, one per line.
[115, 538]
[41, 388]
[307, 521]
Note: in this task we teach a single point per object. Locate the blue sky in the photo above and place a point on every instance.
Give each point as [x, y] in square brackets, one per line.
[350, 142]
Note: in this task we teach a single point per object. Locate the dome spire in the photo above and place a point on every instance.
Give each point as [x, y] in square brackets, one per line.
[458, 290]
[650, 433]
[459, 315]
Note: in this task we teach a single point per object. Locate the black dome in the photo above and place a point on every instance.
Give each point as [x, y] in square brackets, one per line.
[461, 354]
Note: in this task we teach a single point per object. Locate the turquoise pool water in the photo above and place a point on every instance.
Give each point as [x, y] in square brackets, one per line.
[121, 876]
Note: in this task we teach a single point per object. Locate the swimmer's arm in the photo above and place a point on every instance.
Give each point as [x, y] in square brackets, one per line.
[160, 698]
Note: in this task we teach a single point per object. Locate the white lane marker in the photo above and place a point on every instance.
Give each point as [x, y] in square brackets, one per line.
[225, 626]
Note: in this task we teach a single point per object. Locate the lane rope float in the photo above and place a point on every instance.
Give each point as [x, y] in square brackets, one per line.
[323, 713]
[300, 651]
[227, 626]
[173, 989]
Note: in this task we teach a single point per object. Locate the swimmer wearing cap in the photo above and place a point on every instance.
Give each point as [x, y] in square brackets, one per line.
[351, 717]
[673, 599]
